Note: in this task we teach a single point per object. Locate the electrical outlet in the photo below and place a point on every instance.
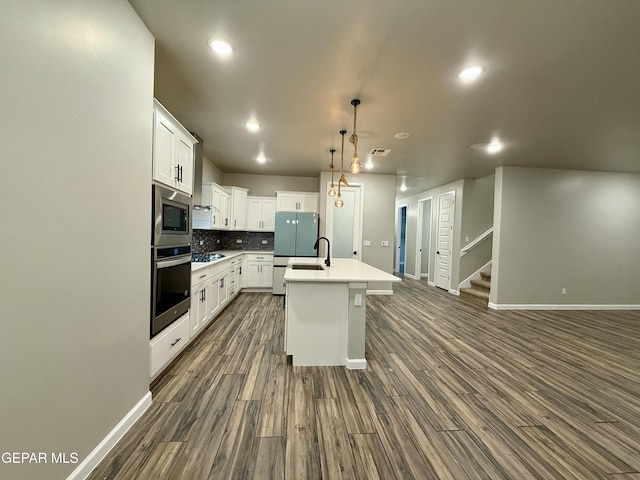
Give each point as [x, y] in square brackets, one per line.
[238, 240]
[384, 243]
[564, 291]
[264, 242]
[357, 300]
[201, 242]
[366, 243]
[466, 239]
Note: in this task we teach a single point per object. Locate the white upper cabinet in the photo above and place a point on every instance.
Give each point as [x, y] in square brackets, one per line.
[238, 208]
[297, 202]
[261, 214]
[172, 151]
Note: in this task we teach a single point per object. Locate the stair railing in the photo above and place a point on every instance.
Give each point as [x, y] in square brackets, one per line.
[475, 242]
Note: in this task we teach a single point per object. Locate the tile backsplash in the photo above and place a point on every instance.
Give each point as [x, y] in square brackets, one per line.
[222, 240]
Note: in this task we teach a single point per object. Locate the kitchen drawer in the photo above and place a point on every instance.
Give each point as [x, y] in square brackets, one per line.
[169, 343]
[259, 257]
[218, 268]
[200, 276]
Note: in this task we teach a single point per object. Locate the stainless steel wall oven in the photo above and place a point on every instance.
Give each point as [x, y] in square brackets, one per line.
[170, 285]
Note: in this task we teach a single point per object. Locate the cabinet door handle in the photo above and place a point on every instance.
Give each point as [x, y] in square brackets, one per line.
[177, 177]
[177, 340]
[214, 219]
[202, 276]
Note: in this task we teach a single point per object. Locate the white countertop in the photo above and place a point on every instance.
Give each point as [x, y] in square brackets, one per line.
[341, 270]
[228, 254]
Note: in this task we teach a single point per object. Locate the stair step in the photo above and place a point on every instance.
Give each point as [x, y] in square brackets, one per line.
[482, 284]
[486, 275]
[476, 292]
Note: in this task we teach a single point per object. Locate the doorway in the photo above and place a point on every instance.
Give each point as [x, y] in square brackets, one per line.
[423, 240]
[344, 225]
[401, 239]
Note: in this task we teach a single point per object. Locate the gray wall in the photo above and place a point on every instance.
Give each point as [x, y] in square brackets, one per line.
[76, 89]
[211, 172]
[266, 185]
[572, 229]
[477, 218]
[378, 218]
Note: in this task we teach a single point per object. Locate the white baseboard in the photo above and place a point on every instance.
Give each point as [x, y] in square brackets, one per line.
[455, 292]
[379, 292]
[412, 277]
[521, 306]
[424, 275]
[433, 284]
[356, 363]
[83, 470]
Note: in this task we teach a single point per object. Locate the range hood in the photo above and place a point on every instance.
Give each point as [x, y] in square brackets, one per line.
[198, 161]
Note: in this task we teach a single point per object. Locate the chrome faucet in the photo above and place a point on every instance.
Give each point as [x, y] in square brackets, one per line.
[327, 262]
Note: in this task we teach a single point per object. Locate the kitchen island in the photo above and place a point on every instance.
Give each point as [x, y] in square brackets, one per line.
[325, 316]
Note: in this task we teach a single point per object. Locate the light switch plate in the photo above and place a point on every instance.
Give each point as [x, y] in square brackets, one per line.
[366, 243]
[384, 243]
[238, 240]
[264, 242]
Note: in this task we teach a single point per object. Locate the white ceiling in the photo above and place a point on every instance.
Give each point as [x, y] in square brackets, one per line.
[561, 87]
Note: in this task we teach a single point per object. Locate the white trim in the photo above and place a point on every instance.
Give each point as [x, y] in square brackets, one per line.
[83, 470]
[521, 306]
[412, 277]
[475, 242]
[398, 242]
[419, 239]
[355, 363]
[455, 292]
[379, 292]
[466, 283]
[433, 284]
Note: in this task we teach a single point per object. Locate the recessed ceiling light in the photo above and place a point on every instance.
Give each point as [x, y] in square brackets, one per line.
[253, 126]
[401, 135]
[470, 74]
[369, 164]
[220, 46]
[494, 147]
[261, 159]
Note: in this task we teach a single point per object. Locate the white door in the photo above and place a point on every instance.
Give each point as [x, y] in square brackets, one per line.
[444, 242]
[344, 225]
[423, 243]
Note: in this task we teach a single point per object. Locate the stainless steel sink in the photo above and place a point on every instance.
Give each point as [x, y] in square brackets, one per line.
[300, 266]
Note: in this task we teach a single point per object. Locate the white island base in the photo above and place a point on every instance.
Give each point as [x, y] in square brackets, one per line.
[325, 320]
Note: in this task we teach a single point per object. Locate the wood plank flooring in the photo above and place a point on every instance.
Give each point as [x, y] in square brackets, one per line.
[453, 390]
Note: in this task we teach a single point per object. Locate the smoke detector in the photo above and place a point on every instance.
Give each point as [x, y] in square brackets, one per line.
[380, 152]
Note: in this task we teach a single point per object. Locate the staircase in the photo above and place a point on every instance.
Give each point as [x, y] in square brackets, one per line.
[479, 288]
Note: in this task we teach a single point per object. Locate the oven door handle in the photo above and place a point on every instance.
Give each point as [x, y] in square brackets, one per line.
[173, 262]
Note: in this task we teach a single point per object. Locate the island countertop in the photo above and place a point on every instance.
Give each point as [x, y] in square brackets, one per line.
[341, 270]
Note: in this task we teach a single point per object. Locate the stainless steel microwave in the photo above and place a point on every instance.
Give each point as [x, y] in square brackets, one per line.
[171, 214]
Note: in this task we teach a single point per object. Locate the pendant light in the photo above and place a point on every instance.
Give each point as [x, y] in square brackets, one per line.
[355, 161]
[332, 190]
[339, 203]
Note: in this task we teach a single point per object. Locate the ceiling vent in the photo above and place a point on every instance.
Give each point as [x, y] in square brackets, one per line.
[380, 152]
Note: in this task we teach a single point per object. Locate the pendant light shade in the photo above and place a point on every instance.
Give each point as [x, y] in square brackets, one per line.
[332, 190]
[339, 203]
[355, 161]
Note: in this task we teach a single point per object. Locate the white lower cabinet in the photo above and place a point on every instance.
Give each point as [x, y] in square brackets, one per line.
[167, 344]
[259, 271]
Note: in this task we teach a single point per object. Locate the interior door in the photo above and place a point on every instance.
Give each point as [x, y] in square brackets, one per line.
[344, 225]
[444, 242]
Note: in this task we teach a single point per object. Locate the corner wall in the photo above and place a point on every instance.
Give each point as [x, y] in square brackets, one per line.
[568, 229]
[76, 89]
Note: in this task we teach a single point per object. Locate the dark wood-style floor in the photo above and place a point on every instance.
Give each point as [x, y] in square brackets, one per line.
[453, 390]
